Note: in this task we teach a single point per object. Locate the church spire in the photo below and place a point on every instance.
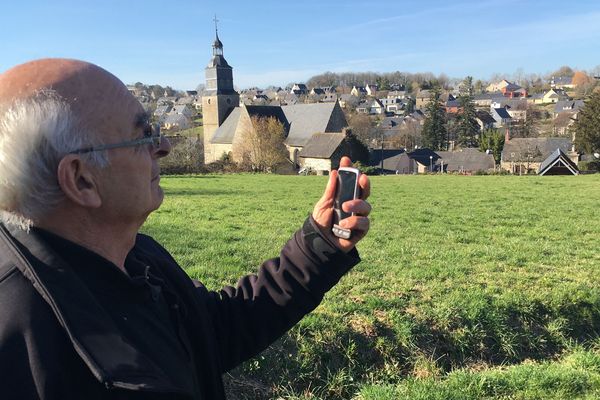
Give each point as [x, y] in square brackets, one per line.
[217, 45]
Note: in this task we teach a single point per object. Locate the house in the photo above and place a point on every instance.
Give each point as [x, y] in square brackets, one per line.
[485, 120]
[299, 89]
[177, 121]
[372, 90]
[396, 94]
[317, 92]
[550, 97]
[525, 155]
[358, 91]
[376, 107]
[364, 107]
[464, 161]
[390, 158]
[570, 106]
[346, 100]
[161, 112]
[501, 116]
[329, 98]
[323, 151]
[486, 99]
[498, 86]
[558, 163]
[512, 91]
[562, 82]
[417, 162]
[452, 106]
[182, 109]
[422, 99]
[393, 106]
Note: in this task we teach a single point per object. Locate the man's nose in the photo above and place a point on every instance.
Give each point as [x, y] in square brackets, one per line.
[164, 149]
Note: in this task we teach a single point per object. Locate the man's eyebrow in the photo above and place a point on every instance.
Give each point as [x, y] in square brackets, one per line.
[142, 120]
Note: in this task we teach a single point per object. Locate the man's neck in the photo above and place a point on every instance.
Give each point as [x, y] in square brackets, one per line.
[111, 241]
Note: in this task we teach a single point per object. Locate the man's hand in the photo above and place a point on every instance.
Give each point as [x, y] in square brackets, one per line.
[359, 223]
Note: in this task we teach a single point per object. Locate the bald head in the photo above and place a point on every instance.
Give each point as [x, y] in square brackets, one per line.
[89, 90]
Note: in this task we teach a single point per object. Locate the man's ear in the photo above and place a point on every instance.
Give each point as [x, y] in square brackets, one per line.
[78, 182]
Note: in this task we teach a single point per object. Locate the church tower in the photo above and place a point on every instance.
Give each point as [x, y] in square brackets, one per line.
[219, 96]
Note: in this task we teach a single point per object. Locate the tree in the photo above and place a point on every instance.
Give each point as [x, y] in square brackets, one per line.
[364, 128]
[186, 156]
[261, 147]
[587, 125]
[467, 127]
[565, 70]
[410, 106]
[493, 140]
[434, 128]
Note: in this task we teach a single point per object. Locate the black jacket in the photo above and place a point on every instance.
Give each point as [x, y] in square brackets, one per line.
[57, 341]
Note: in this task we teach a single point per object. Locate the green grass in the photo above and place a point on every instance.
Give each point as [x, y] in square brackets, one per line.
[459, 275]
[196, 132]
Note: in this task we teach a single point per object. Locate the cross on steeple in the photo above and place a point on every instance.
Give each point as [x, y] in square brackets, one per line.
[216, 28]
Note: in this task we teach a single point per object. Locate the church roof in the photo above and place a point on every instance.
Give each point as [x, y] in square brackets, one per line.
[307, 119]
[322, 145]
[217, 61]
[225, 133]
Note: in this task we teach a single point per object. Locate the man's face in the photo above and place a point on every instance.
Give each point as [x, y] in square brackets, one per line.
[129, 186]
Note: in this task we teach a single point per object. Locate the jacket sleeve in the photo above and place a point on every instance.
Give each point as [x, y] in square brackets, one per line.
[249, 317]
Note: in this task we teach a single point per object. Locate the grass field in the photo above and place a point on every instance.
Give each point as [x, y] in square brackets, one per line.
[470, 287]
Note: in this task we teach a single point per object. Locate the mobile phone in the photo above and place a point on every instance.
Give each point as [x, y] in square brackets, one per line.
[347, 189]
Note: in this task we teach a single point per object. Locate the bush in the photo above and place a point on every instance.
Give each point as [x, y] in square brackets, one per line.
[589, 166]
[186, 157]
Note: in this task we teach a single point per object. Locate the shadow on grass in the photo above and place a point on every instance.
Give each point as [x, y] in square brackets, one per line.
[334, 365]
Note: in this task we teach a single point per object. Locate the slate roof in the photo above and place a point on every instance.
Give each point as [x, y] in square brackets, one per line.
[558, 163]
[502, 113]
[180, 109]
[391, 158]
[562, 80]
[568, 106]
[162, 110]
[467, 160]
[176, 119]
[533, 149]
[225, 133]
[422, 156]
[322, 145]
[308, 119]
[485, 117]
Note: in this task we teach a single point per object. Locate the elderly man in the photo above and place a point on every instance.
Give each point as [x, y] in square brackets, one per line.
[90, 308]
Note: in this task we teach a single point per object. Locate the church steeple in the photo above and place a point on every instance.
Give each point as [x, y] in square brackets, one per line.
[217, 45]
[219, 98]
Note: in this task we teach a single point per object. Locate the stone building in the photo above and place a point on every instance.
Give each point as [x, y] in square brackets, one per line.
[225, 119]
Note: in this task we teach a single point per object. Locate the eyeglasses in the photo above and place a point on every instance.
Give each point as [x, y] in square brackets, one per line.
[151, 137]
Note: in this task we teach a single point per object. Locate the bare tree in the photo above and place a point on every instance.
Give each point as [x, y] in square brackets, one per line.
[261, 145]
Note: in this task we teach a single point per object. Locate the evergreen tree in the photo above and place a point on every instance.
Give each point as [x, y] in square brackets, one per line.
[587, 125]
[467, 126]
[434, 126]
[492, 140]
[410, 106]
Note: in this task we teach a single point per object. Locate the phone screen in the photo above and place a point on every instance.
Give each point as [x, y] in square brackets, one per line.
[346, 190]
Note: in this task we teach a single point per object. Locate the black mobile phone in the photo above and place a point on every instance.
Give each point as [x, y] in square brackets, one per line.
[347, 189]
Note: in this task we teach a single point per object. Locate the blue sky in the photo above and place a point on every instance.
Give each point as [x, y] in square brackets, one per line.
[278, 42]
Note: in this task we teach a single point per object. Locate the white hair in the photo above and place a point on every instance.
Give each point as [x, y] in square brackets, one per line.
[35, 134]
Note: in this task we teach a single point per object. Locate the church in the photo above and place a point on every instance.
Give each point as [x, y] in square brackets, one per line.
[225, 119]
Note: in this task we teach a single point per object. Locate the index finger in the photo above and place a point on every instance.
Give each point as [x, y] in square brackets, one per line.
[345, 162]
